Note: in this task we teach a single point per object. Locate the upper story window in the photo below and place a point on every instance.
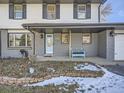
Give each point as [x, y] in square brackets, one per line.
[18, 11]
[81, 10]
[51, 11]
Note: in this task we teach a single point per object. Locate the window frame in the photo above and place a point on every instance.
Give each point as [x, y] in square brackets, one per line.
[90, 38]
[14, 36]
[53, 5]
[15, 17]
[64, 33]
[83, 12]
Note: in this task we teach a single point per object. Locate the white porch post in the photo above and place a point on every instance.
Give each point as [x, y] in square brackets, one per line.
[70, 43]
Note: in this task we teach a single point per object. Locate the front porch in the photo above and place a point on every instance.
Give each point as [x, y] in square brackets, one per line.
[48, 40]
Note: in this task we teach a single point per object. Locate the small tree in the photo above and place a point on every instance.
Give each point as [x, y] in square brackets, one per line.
[106, 10]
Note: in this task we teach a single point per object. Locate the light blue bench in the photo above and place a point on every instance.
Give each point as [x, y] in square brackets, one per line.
[76, 53]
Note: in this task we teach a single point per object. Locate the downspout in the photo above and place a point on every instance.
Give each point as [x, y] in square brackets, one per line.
[70, 47]
[33, 39]
[99, 13]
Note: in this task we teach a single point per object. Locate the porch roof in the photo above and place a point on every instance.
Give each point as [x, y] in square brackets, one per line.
[91, 26]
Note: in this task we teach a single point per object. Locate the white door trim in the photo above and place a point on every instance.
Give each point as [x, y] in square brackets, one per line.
[49, 44]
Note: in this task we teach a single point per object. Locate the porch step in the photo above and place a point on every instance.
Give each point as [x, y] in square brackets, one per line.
[47, 58]
[48, 55]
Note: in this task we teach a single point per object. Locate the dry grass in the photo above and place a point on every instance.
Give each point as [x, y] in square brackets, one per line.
[19, 68]
[63, 88]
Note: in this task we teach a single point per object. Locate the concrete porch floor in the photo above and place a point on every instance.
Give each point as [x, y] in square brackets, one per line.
[96, 60]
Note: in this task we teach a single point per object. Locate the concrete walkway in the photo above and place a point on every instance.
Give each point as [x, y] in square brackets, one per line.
[103, 61]
[117, 69]
[96, 60]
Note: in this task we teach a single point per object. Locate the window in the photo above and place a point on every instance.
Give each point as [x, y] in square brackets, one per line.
[19, 40]
[18, 11]
[86, 38]
[81, 11]
[65, 38]
[51, 11]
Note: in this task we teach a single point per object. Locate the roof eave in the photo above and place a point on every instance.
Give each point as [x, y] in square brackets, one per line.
[73, 25]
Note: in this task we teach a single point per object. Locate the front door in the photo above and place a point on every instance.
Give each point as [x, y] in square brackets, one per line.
[49, 44]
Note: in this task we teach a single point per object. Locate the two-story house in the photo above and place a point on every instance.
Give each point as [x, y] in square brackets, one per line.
[56, 27]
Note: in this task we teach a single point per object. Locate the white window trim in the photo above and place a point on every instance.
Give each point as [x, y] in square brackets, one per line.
[83, 12]
[14, 46]
[20, 12]
[90, 34]
[54, 11]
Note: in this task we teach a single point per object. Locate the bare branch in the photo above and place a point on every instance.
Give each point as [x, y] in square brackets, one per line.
[106, 10]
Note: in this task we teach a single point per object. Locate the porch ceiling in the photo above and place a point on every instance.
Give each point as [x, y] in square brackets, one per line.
[75, 27]
[53, 1]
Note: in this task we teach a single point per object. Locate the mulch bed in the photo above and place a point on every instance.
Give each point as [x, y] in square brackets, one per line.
[19, 70]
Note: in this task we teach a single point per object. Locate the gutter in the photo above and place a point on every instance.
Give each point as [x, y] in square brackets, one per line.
[99, 13]
[99, 10]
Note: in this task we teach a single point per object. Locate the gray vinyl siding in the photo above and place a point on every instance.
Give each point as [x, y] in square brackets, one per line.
[39, 44]
[110, 46]
[91, 49]
[59, 48]
[63, 49]
[102, 44]
[76, 40]
[10, 52]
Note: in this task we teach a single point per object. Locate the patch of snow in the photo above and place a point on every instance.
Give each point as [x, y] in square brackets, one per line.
[87, 66]
[31, 70]
[51, 69]
[109, 83]
[63, 88]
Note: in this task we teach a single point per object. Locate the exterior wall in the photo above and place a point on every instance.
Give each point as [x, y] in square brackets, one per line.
[34, 15]
[10, 52]
[110, 46]
[66, 12]
[106, 44]
[63, 49]
[91, 49]
[59, 48]
[102, 44]
[39, 44]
